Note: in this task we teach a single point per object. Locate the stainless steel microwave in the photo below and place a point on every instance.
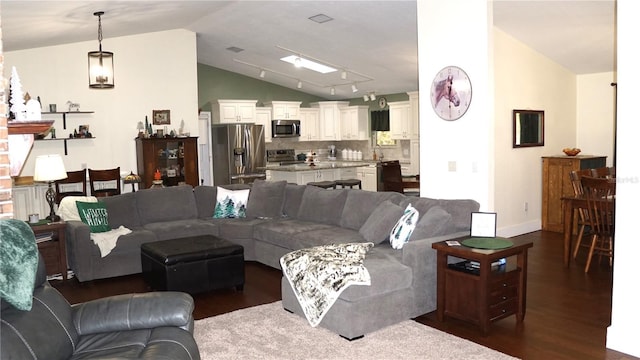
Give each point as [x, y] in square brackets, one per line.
[285, 128]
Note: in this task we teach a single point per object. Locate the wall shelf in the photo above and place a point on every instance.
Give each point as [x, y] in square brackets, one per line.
[65, 141]
[64, 115]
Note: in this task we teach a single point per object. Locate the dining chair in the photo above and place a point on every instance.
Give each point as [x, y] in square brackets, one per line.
[583, 216]
[105, 178]
[393, 181]
[600, 195]
[75, 180]
[603, 172]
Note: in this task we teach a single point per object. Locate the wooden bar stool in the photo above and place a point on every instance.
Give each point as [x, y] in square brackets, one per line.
[323, 184]
[350, 183]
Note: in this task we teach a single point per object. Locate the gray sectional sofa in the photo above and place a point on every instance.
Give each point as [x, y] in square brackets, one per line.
[283, 217]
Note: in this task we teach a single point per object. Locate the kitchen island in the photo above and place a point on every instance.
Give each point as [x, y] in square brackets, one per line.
[365, 171]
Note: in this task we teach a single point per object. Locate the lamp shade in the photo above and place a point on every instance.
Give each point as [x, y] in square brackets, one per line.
[101, 69]
[49, 168]
[132, 179]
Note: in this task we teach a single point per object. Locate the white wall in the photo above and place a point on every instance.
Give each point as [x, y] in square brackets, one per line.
[152, 71]
[622, 335]
[456, 32]
[595, 115]
[525, 79]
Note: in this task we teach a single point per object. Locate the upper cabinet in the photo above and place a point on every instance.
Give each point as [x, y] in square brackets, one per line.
[263, 117]
[235, 111]
[283, 110]
[330, 124]
[414, 125]
[399, 120]
[309, 124]
[354, 123]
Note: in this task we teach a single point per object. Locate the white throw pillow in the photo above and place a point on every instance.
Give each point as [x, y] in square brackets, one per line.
[401, 232]
[68, 211]
[231, 203]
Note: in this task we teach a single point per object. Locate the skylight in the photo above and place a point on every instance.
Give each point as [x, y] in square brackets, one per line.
[308, 64]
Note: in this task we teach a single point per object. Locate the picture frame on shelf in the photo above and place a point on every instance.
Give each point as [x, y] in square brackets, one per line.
[83, 131]
[161, 117]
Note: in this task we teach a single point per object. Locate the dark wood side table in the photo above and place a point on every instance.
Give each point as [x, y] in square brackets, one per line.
[486, 295]
[53, 251]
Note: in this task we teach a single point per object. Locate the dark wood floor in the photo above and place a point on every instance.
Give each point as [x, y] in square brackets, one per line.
[568, 312]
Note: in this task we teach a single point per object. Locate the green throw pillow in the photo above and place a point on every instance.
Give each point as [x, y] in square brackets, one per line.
[95, 215]
[18, 263]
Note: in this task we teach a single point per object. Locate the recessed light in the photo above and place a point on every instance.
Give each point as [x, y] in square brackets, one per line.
[299, 61]
[321, 18]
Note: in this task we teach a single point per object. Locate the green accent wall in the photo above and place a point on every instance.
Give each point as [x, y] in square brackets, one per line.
[215, 83]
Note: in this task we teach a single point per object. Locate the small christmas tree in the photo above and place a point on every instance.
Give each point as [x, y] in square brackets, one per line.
[18, 108]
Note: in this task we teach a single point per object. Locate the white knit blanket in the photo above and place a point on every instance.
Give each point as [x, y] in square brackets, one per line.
[320, 274]
[108, 240]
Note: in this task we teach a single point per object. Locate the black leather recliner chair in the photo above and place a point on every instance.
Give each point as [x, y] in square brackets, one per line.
[156, 325]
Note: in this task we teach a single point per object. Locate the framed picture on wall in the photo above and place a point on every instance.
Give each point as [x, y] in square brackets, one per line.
[161, 117]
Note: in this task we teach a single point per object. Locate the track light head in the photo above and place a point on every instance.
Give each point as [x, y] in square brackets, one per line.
[372, 96]
[299, 84]
[262, 74]
[333, 91]
[354, 88]
[343, 75]
[365, 97]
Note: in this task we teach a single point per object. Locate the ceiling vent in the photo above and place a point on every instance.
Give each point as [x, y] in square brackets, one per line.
[320, 18]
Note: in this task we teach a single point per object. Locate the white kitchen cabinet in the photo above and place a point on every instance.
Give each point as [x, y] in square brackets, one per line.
[30, 199]
[263, 117]
[354, 121]
[235, 111]
[305, 176]
[414, 148]
[282, 110]
[309, 124]
[368, 175]
[348, 173]
[330, 118]
[400, 120]
[414, 115]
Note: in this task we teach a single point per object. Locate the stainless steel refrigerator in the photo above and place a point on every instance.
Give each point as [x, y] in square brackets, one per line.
[238, 153]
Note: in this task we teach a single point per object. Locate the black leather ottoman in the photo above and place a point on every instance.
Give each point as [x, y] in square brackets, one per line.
[193, 264]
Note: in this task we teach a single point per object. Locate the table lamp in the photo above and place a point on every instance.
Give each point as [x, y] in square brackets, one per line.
[132, 179]
[50, 168]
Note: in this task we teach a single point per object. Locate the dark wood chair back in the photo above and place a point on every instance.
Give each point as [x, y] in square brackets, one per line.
[111, 176]
[392, 179]
[603, 172]
[600, 194]
[73, 177]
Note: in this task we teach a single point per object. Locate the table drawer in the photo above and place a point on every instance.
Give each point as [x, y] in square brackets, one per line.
[503, 294]
[504, 308]
[504, 281]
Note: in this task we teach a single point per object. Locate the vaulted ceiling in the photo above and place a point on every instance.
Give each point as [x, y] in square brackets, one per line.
[375, 42]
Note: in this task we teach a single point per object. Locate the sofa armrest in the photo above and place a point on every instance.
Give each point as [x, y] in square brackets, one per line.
[134, 311]
[419, 255]
[79, 247]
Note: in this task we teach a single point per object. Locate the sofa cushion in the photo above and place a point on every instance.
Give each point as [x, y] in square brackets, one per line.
[292, 198]
[166, 204]
[326, 236]
[360, 203]
[122, 210]
[323, 206]
[266, 199]
[231, 229]
[435, 222]
[460, 209]
[402, 230]
[165, 230]
[95, 215]
[379, 224]
[231, 203]
[205, 201]
[387, 273]
[281, 232]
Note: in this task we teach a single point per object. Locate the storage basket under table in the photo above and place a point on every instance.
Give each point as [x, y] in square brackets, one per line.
[193, 264]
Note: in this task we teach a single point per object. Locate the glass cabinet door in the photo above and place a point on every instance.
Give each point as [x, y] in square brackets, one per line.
[170, 162]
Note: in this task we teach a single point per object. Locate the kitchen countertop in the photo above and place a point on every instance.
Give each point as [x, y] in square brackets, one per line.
[321, 165]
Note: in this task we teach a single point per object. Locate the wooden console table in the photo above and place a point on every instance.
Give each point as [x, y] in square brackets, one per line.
[53, 251]
[489, 295]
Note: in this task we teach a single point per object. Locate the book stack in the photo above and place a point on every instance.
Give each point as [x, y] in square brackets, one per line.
[473, 267]
[45, 236]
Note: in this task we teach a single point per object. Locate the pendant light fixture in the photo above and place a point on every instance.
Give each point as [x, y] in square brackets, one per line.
[100, 62]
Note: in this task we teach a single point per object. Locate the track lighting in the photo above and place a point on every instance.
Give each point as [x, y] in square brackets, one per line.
[262, 74]
[333, 91]
[299, 84]
[343, 75]
[365, 97]
[297, 62]
[372, 96]
[354, 88]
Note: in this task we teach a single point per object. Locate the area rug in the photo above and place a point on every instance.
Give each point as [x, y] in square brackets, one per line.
[270, 332]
